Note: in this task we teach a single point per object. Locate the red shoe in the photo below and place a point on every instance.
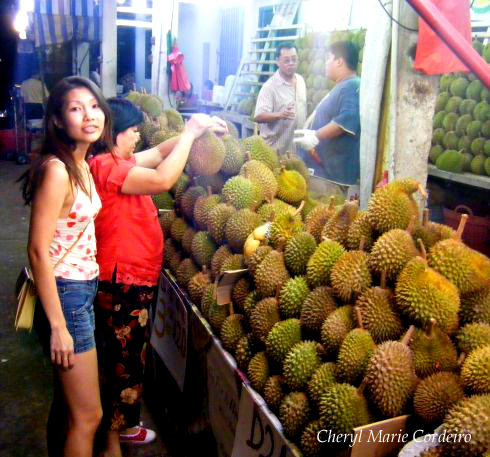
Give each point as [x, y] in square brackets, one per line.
[143, 436]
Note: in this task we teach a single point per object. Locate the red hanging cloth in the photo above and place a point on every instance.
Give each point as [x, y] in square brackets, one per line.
[179, 81]
[433, 56]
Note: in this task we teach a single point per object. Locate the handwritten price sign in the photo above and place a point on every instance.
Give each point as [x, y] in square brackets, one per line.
[257, 433]
[170, 330]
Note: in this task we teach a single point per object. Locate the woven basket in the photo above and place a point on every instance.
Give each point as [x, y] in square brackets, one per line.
[477, 229]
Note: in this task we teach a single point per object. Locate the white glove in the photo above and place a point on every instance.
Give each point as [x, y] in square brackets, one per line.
[307, 139]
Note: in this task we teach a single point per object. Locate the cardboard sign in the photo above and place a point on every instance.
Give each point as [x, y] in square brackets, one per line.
[170, 330]
[258, 431]
[224, 285]
[380, 438]
[223, 396]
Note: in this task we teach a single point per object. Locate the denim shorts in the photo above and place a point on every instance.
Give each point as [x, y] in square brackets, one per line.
[77, 298]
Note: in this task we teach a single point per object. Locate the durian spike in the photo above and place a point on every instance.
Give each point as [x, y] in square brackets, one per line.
[383, 279]
[422, 191]
[425, 217]
[423, 252]
[460, 230]
[412, 224]
[408, 336]
[300, 207]
[461, 358]
[359, 317]
[362, 242]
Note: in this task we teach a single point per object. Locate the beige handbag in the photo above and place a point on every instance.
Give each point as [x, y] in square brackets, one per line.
[26, 293]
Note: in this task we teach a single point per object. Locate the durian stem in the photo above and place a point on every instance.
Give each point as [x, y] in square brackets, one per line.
[300, 207]
[360, 389]
[362, 242]
[256, 128]
[430, 327]
[210, 191]
[461, 358]
[383, 279]
[408, 336]
[462, 223]
[412, 224]
[422, 248]
[278, 292]
[422, 191]
[359, 317]
[425, 217]
[331, 203]
[231, 309]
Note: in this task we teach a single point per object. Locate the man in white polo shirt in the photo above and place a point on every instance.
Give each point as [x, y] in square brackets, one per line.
[281, 104]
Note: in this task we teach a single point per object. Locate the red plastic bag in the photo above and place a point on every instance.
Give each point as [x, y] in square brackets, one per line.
[433, 56]
[179, 81]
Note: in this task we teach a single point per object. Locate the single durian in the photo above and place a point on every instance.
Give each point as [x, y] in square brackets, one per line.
[467, 269]
[282, 337]
[471, 417]
[294, 413]
[390, 378]
[291, 186]
[241, 193]
[203, 207]
[323, 378]
[196, 285]
[475, 371]
[188, 200]
[221, 254]
[336, 327]
[263, 317]
[244, 351]
[234, 156]
[217, 219]
[206, 155]
[239, 225]
[259, 150]
[360, 228]
[322, 261]
[187, 238]
[433, 351]
[316, 308]
[337, 227]
[475, 307]
[342, 408]
[232, 330]
[472, 336]
[422, 294]
[436, 395]
[271, 274]
[299, 248]
[318, 217]
[393, 206]
[274, 392]
[262, 176]
[240, 291]
[300, 364]
[292, 296]
[258, 371]
[186, 270]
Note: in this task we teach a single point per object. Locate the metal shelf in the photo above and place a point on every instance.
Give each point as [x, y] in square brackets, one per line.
[279, 38]
[470, 179]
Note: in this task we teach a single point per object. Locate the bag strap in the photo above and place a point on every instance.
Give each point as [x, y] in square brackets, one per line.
[71, 247]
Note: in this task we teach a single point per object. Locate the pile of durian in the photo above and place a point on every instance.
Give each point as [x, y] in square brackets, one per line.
[160, 124]
[461, 129]
[312, 52]
[345, 317]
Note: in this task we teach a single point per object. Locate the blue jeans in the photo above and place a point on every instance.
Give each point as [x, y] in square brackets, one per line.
[77, 298]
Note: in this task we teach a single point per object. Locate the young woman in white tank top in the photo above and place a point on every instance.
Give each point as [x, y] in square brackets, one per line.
[64, 203]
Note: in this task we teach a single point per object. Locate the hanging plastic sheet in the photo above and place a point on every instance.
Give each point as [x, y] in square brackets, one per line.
[179, 81]
[433, 56]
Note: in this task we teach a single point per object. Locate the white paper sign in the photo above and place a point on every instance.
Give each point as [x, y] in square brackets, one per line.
[257, 432]
[170, 329]
[223, 393]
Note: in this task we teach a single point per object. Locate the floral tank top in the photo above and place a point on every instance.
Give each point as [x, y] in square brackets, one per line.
[79, 264]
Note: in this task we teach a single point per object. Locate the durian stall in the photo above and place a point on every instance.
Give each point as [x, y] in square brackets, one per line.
[291, 322]
[340, 318]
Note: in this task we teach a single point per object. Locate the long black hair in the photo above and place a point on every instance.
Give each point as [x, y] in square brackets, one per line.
[57, 143]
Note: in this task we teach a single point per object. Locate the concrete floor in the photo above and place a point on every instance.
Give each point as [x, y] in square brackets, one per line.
[25, 375]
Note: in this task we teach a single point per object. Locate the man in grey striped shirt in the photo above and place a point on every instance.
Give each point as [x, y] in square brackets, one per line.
[281, 104]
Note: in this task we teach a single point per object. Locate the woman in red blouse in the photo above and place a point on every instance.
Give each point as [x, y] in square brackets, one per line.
[129, 254]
